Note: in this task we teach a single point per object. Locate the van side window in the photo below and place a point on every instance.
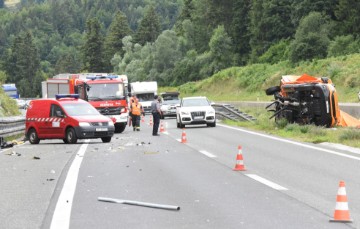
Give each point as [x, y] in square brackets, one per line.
[56, 111]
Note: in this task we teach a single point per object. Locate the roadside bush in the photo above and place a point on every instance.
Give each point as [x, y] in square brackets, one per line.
[350, 134]
[343, 45]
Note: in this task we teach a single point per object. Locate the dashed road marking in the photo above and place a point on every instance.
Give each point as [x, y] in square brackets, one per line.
[266, 182]
[207, 153]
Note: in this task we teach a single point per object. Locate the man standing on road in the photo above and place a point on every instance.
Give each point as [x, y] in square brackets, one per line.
[156, 112]
[136, 111]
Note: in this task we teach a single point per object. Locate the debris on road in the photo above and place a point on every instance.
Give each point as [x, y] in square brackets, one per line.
[138, 203]
[36, 158]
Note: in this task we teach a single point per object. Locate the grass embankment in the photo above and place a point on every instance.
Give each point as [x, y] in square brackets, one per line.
[250, 82]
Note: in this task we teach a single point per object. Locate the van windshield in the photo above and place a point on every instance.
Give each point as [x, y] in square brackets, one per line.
[79, 109]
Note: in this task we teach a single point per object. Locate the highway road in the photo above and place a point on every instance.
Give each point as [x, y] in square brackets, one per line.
[286, 184]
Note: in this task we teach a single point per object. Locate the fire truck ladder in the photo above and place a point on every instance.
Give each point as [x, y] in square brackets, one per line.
[230, 112]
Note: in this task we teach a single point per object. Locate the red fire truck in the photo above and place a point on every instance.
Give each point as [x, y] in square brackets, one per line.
[107, 93]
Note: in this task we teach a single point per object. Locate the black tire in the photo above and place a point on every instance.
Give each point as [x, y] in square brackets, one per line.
[71, 137]
[211, 124]
[177, 123]
[33, 137]
[182, 126]
[120, 127]
[106, 139]
[272, 90]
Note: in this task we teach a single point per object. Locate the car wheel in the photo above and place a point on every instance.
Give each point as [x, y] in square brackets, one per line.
[177, 122]
[181, 125]
[71, 136]
[33, 137]
[106, 139]
[119, 127]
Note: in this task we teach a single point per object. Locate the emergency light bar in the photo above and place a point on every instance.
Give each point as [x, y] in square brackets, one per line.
[101, 77]
[62, 96]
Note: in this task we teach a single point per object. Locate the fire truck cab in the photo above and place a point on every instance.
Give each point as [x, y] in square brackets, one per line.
[68, 118]
[107, 93]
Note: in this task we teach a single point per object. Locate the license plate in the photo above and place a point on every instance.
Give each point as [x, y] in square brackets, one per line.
[198, 117]
[101, 129]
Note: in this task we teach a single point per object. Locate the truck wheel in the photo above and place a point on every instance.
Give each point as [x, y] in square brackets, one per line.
[119, 127]
[272, 90]
[33, 137]
[106, 139]
[71, 136]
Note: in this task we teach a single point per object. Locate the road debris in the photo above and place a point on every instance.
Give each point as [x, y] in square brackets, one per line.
[138, 203]
[36, 158]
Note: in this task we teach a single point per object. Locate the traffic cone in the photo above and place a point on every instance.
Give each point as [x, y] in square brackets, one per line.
[162, 129]
[239, 166]
[183, 137]
[341, 213]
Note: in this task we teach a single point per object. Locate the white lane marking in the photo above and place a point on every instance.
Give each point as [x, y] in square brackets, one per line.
[341, 147]
[207, 153]
[294, 143]
[266, 182]
[62, 213]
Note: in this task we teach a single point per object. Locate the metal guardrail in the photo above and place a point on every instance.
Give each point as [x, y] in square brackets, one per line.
[230, 112]
[10, 126]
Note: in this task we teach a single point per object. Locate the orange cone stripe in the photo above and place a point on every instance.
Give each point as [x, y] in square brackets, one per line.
[341, 199]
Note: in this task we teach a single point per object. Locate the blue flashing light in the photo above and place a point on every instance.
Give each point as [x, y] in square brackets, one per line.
[62, 96]
[101, 77]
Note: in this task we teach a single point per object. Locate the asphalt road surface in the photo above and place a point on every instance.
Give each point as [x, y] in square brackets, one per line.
[286, 184]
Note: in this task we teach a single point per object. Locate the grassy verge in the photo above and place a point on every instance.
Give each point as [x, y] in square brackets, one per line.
[305, 133]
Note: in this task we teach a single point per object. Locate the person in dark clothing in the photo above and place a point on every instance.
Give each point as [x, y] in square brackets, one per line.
[156, 113]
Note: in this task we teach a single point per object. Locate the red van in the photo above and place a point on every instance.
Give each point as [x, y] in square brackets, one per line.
[66, 117]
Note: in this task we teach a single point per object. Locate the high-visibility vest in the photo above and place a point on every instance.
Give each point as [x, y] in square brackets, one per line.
[135, 109]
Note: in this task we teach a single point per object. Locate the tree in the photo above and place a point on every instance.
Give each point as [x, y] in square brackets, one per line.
[119, 28]
[185, 14]
[311, 38]
[149, 28]
[270, 22]
[240, 32]
[347, 14]
[93, 47]
[221, 50]
[23, 65]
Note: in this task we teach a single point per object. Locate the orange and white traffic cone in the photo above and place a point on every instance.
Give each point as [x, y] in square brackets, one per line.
[341, 213]
[162, 129]
[239, 166]
[183, 137]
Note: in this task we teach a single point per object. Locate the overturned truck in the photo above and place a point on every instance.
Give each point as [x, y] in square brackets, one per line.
[308, 100]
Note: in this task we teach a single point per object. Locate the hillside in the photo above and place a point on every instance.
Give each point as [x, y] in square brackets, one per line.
[250, 82]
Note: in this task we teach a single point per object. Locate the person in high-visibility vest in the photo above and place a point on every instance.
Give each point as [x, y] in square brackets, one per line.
[136, 111]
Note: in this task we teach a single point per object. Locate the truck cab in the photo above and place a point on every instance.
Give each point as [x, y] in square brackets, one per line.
[145, 92]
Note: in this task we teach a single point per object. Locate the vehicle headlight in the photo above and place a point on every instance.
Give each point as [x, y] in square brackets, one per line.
[84, 124]
[184, 112]
[211, 112]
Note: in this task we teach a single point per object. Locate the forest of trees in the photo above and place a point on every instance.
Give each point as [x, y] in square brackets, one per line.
[170, 41]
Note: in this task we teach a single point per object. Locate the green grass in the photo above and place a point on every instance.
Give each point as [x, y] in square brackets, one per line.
[304, 133]
[249, 83]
